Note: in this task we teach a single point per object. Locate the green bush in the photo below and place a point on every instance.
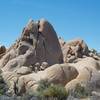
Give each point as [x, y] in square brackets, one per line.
[43, 84]
[3, 86]
[81, 92]
[46, 91]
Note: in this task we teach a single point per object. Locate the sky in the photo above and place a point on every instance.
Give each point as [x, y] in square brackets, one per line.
[71, 19]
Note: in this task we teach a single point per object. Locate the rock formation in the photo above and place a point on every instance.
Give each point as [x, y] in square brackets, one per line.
[38, 45]
[39, 55]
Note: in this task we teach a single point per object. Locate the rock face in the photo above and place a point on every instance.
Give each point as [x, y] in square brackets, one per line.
[39, 55]
[44, 40]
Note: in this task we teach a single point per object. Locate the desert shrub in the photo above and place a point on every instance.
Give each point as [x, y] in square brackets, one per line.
[2, 85]
[56, 91]
[47, 91]
[43, 84]
[81, 91]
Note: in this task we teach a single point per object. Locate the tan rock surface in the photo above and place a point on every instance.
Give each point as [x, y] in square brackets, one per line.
[57, 74]
[86, 67]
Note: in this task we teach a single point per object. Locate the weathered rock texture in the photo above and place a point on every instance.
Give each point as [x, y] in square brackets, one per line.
[39, 55]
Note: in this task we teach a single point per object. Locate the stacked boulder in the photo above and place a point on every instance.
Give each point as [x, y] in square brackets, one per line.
[73, 49]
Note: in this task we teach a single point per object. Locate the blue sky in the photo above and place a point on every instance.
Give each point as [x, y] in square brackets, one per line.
[70, 18]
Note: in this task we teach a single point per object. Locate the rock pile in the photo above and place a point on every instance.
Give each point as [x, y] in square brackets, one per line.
[39, 55]
[73, 49]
